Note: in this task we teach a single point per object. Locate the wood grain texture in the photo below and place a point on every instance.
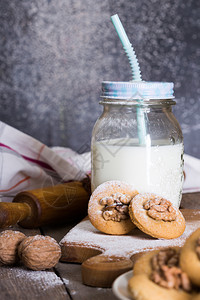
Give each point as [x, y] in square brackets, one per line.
[20, 283]
[71, 275]
[191, 200]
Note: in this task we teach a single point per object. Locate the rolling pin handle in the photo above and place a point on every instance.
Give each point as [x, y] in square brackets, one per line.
[12, 213]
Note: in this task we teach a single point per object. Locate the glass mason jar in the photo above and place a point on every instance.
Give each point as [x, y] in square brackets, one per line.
[137, 139]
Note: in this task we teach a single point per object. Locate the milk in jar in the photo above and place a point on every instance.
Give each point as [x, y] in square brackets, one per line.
[138, 140]
[156, 169]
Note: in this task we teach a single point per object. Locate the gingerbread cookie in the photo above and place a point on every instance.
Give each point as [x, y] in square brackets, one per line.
[156, 216]
[157, 275]
[190, 257]
[108, 207]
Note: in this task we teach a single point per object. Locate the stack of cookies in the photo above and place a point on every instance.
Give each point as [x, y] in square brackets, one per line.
[116, 207]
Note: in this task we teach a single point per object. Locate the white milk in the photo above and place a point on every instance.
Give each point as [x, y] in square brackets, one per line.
[156, 169]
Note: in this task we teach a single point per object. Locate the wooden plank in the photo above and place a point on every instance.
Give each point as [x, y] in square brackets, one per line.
[58, 231]
[17, 282]
[71, 273]
[191, 200]
[20, 283]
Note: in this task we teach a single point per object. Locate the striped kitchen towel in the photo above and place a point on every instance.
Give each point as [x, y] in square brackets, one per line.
[26, 163]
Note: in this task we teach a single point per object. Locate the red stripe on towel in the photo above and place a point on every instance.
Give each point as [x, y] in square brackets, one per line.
[38, 162]
[18, 183]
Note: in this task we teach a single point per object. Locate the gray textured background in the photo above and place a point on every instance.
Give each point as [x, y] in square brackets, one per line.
[54, 55]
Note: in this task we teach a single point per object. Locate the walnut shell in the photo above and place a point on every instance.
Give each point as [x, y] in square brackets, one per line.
[39, 252]
[9, 242]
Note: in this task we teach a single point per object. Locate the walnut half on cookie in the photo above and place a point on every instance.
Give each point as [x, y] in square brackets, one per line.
[108, 207]
[156, 216]
[158, 276]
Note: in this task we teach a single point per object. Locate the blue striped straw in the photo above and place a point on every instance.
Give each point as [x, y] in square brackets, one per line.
[136, 74]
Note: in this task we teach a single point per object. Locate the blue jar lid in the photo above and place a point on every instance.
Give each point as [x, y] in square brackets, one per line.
[145, 90]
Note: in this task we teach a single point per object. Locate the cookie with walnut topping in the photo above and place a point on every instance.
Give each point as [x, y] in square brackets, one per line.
[157, 275]
[108, 207]
[156, 216]
[190, 257]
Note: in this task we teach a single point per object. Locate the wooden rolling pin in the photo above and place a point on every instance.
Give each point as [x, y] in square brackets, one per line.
[50, 205]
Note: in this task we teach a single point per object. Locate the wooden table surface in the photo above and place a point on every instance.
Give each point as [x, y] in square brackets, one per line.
[63, 281]
[59, 283]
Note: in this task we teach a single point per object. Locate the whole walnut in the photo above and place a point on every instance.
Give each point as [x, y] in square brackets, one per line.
[9, 242]
[39, 252]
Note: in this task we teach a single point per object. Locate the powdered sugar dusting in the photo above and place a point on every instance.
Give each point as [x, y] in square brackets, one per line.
[112, 245]
[104, 187]
[39, 281]
[39, 237]
[66, 281]
[11, 234]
